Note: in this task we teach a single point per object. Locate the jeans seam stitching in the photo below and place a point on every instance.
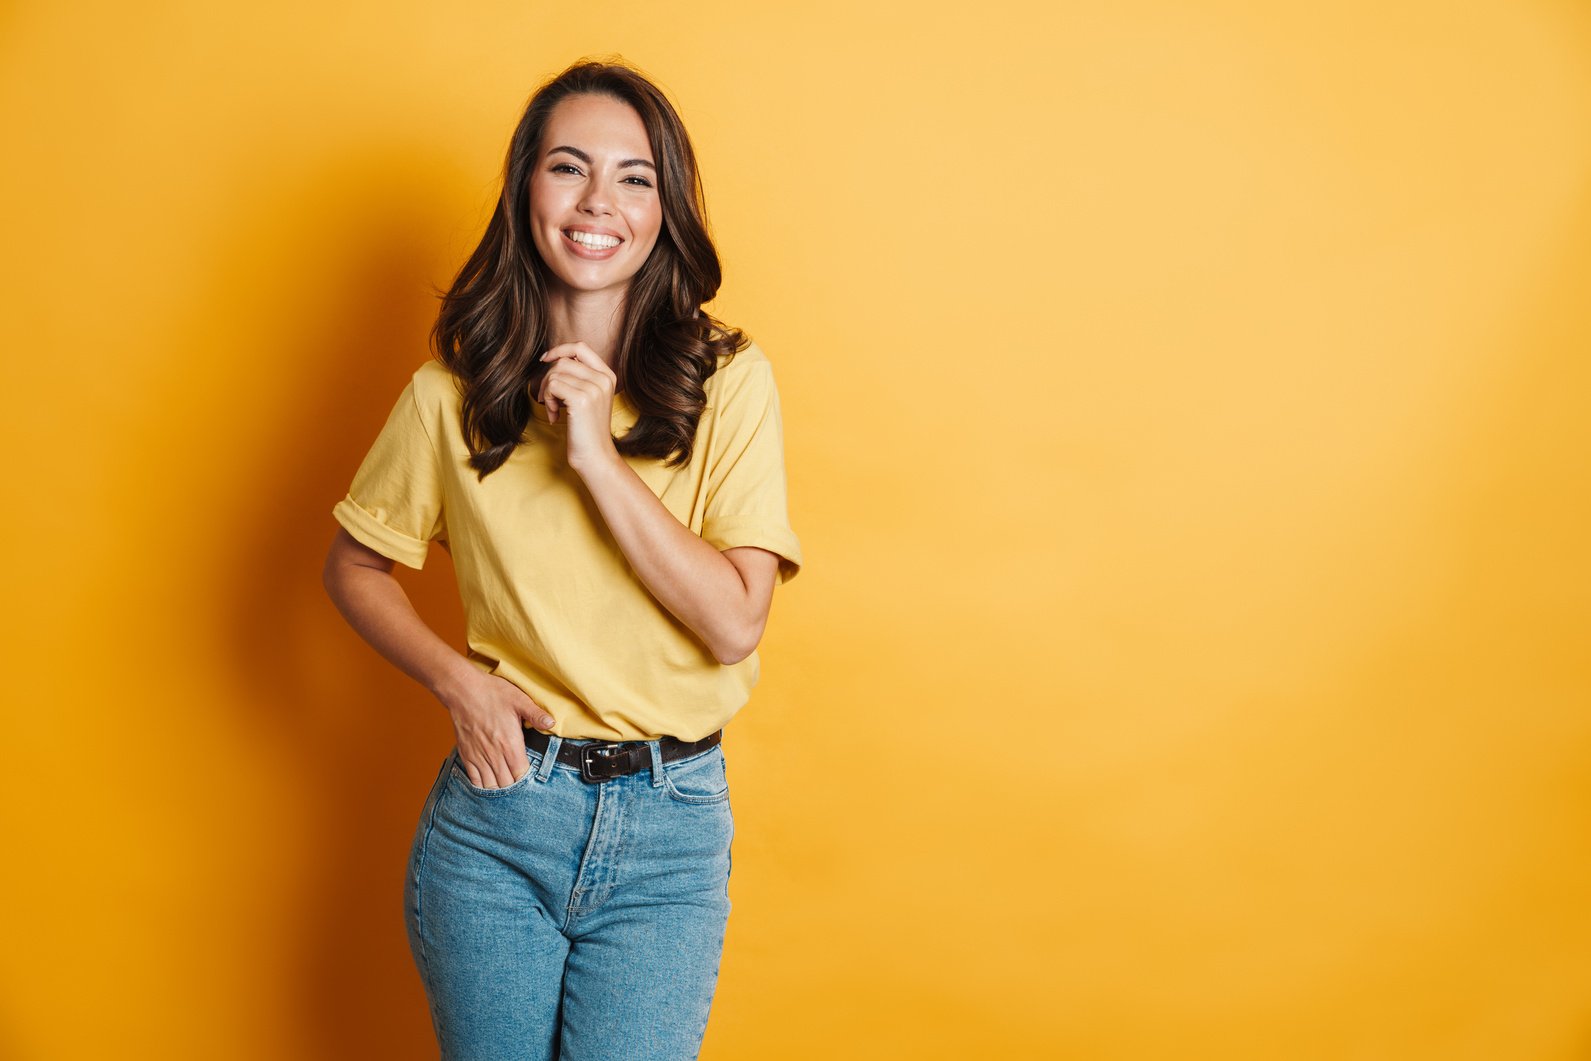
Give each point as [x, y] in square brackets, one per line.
[419, 885]
[694, 801]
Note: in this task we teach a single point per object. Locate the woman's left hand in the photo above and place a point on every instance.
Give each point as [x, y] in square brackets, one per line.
[579, 387]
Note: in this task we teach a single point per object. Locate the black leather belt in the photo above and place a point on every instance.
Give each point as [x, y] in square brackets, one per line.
[604, 761]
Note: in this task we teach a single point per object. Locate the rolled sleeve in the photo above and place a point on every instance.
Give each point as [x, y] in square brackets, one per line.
[747, 492]
[374, 530]
[394, 504]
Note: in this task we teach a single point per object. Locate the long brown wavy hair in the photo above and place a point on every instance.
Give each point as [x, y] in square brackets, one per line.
[492, 326]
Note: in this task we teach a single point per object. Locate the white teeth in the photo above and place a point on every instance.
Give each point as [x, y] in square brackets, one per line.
[592, 240]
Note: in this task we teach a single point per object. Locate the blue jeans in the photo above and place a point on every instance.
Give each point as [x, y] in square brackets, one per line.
[556, 918]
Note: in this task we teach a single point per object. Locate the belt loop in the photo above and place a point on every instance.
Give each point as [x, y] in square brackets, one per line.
[549, 758]
[657, 762]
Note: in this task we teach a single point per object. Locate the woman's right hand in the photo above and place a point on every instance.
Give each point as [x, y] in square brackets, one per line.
[489, 720]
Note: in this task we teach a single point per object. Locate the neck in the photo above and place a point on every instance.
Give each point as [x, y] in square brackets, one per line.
[590, 317]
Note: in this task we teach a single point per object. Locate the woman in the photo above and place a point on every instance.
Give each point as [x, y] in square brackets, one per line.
[603, 462]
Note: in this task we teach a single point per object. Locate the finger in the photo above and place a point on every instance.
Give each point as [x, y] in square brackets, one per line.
[502, 768]
[541, 395]
[571, 388]
[488, 770]
[556, 389]
[537, 716]
[574, 351]
[560, 366]
[578, 356]
[560, 387]
[567, 391]
[511, 755]
[573, 368]
[521, 759]
[494, 770]
[547, 398]
[481, 773]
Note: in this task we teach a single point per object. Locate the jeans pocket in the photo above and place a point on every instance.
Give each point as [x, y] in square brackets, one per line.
[459, 775]
[699, 779]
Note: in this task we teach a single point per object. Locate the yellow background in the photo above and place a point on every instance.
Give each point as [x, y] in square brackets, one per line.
[1186, 427]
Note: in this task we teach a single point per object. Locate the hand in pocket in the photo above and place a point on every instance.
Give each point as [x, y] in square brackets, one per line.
[489, 721]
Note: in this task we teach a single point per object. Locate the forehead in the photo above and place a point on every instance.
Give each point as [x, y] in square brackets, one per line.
[598, 125]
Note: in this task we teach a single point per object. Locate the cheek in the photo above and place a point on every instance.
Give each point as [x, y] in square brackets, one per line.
[541, 211]
[651, 222]
[542, 202]
[537, 240]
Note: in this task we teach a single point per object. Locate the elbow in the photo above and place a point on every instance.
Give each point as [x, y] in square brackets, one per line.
[333, 575]
[328, 577]
[737, 644]
[729, 655]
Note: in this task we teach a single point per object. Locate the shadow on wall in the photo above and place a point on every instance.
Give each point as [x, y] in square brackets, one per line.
[324, 278]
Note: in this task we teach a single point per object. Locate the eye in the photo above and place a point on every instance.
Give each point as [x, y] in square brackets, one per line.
[564, 165]
[644, 182]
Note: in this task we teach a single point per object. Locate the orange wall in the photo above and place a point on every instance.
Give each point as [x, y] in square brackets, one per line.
[1185, 409]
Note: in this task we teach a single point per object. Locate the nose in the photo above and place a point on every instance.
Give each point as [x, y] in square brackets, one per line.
[595, 199]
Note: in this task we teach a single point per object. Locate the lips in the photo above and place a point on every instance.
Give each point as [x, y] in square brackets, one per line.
[604, 236]
[592, 254]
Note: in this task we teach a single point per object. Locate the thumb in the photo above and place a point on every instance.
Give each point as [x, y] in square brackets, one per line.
[535, 715]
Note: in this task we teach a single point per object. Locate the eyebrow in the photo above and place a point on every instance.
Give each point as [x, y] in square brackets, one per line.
[583, 157]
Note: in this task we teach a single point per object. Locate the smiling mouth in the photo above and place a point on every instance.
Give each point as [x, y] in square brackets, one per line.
[592, 241]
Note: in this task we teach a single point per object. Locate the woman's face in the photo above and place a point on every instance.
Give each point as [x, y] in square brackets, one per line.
[594, 180]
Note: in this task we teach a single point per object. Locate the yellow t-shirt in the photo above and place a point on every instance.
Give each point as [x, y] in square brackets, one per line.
[550, 601]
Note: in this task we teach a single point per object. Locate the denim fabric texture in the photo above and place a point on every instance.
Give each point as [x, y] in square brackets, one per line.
[556, 918]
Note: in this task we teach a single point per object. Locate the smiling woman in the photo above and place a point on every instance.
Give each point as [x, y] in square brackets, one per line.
[590, 204]
[599, 150]
[604, 463]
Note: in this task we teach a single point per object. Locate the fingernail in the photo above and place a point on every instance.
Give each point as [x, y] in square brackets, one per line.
[548, 723]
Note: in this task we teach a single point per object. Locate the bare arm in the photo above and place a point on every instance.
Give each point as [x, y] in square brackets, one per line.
[486, 709]
[360, 583]
[724, 597]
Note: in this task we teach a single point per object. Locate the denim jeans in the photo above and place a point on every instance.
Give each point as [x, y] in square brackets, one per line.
[557, 918]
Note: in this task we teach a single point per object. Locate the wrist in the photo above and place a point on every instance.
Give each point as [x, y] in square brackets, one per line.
[451, 682]
[605, 466]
